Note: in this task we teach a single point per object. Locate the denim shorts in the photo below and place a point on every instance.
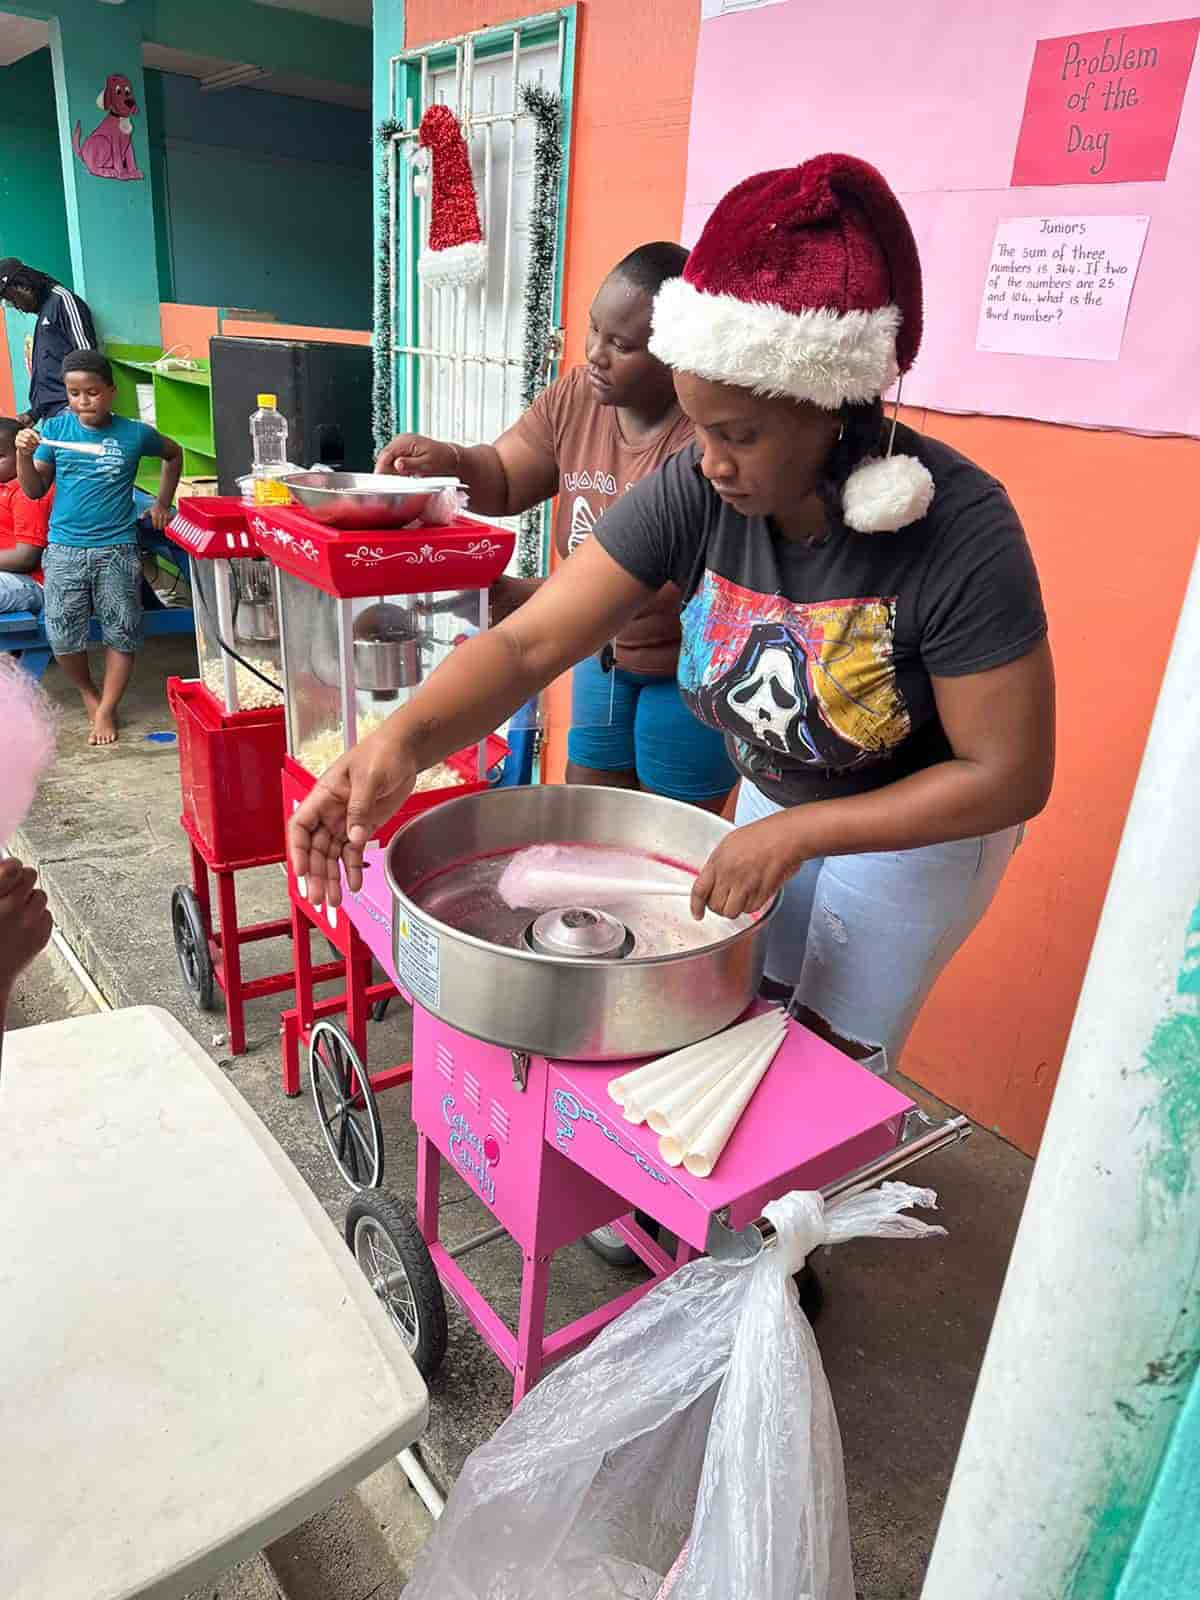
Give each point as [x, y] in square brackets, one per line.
[628, 722]
[101, 581]
[19, 593]
[862, 938]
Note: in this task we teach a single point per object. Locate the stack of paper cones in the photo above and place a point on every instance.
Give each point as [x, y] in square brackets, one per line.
[694, 1098]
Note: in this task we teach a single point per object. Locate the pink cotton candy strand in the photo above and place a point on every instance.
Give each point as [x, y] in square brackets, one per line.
[26, 742]
[545, 876]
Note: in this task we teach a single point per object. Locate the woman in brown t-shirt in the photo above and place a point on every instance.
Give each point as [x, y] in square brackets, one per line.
[587, 439]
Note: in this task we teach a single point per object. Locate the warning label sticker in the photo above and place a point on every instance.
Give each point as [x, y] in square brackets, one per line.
[419, 961]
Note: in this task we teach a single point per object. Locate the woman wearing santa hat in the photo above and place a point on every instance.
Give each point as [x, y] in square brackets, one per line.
[862, 617]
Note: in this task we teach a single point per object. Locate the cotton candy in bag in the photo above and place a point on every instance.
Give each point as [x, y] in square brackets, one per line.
[696, 1433]
[28, 724]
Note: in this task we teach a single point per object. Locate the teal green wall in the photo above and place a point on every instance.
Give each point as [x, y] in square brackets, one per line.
[238, 180]
[1164, 1563]
[33, 208]
[236, 30]
[110, 222]
[265, 202]
[33, 218]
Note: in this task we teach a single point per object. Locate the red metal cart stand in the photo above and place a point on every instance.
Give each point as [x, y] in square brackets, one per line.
[230, 757]
[364, 617]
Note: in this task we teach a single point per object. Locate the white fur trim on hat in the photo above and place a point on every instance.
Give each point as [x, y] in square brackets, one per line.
[881, 496]
[829, 358]
[453, 268]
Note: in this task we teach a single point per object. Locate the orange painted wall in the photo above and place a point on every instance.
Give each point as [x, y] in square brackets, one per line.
[1111, 521]
[194, 326]
[8, 399]
[287, 330]
[187, 329]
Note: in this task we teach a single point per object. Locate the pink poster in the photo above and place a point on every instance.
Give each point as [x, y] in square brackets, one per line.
[1104, 107]
[934, 96]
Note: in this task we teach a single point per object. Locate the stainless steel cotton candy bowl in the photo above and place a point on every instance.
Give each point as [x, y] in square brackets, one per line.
[576, 982]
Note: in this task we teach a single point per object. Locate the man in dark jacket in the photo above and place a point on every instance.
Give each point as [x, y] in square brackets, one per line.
[64, 325]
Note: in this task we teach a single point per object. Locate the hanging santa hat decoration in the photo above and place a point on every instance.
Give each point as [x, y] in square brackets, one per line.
[455, 255]
[806, 284]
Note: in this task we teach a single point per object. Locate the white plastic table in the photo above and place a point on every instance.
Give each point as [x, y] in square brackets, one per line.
[191, 1361]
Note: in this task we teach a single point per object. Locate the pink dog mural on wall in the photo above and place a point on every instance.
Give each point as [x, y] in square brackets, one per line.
[107, 152]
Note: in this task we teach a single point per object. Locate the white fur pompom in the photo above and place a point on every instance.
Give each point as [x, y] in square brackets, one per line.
[881, 496]
[456, 267]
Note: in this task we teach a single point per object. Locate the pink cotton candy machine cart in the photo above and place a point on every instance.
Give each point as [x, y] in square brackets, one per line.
[521, 1019]
[365, 615]
[231, 750]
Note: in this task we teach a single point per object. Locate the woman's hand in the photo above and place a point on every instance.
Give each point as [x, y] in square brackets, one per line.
[411, 455]
[507, 595]
[25, 921]
[358, 793]
[749, 867]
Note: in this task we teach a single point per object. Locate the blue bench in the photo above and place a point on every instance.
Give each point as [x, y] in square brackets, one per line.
[22, 633]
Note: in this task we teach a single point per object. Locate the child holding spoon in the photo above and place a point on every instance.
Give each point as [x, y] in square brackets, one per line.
[92, 566]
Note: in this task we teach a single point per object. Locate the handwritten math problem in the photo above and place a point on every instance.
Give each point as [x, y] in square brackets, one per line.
[1060, 286]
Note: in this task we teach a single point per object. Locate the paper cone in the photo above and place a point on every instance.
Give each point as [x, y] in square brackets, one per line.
[692, 1056]
[705, 1149]
[690, 1126]
[676, 1072]
[671, 1103]
[662, 1068]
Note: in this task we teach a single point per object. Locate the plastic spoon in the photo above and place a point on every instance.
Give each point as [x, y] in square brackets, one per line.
[76, 449]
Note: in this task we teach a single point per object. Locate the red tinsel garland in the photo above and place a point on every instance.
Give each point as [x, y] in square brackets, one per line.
[454, 212]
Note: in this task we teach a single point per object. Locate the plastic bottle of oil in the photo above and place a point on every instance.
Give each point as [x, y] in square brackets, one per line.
[268, 439]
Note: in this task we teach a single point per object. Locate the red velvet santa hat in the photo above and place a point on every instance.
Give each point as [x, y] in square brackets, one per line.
[455, 255]
[806, 284]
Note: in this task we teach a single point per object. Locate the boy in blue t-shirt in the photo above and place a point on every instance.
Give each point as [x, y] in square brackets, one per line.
[92, 566]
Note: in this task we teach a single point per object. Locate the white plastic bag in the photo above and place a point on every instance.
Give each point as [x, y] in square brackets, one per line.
[442, 509]
[697, 1433]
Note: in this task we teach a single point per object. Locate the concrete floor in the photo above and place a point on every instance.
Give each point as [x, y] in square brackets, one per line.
[905, 1324]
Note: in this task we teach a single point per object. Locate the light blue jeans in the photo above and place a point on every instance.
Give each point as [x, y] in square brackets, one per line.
[19, 593]
[862, 938]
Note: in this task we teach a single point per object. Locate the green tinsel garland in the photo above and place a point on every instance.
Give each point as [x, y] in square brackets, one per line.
[383, 416]
[545, 108]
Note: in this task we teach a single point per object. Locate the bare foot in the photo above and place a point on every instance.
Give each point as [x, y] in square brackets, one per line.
[104, 726]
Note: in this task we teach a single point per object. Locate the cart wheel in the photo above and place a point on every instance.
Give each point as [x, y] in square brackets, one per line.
[388, 1246]
[345, 1105]
[191, 946]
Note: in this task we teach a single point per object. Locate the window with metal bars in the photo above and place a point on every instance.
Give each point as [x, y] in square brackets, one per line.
[459, 353]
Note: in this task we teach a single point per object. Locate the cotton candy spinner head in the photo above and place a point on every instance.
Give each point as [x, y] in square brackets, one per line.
[27, 741]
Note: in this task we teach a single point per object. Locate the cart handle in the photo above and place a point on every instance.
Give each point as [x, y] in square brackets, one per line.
[745, 1244]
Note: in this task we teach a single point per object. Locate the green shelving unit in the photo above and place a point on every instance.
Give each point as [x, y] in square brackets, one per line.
[182, 408]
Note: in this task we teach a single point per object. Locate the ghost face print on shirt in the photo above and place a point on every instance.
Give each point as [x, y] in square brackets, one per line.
[810, 684]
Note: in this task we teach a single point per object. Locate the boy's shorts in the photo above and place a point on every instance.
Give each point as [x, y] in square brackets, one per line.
[104, 582]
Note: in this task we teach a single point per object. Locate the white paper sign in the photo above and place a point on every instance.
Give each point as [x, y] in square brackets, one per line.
[1060, 286]
[723, 8]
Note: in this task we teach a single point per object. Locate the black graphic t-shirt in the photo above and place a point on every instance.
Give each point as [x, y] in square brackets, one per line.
[815, 662]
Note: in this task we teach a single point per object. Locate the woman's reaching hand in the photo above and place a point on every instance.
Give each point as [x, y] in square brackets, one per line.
[330, 830]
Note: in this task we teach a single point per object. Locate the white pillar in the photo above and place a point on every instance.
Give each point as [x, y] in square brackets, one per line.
[1098, 1331]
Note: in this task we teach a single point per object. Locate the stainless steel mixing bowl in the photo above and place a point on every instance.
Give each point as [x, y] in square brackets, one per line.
[364, 499]
[574, 1007]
